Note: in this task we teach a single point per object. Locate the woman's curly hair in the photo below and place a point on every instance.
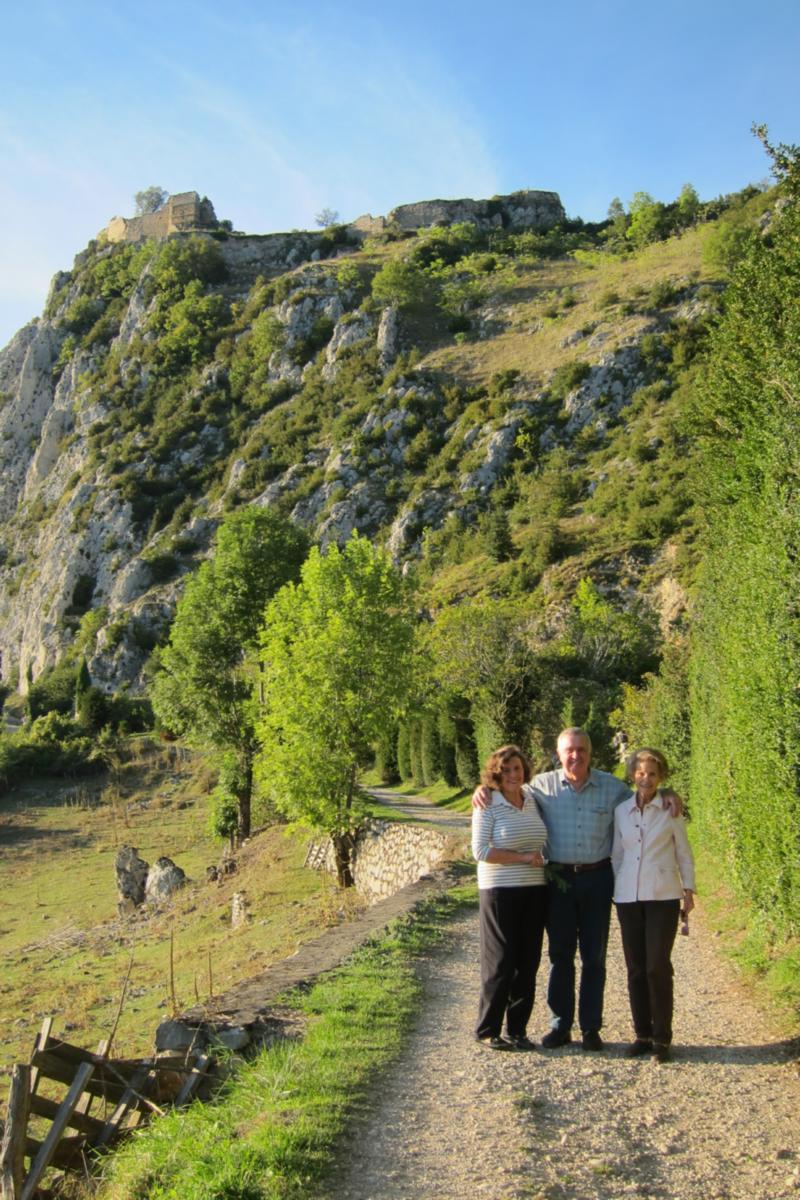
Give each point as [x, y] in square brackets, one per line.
[492, 774]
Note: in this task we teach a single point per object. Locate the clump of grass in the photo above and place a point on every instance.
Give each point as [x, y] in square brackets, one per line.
[273, 1131]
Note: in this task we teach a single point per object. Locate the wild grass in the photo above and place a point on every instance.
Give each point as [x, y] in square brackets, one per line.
[545, 302]
[274, 1131]
[63, 949]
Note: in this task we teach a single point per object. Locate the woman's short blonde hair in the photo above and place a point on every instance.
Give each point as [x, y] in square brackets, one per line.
[642, 755]
[492, 774]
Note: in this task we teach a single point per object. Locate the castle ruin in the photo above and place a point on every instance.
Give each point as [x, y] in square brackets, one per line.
[184, 212]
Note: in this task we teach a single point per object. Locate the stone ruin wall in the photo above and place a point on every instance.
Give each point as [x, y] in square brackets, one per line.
[182, 212]
[519, 210]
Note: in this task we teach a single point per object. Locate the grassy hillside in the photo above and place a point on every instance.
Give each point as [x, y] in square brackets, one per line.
[65, 952]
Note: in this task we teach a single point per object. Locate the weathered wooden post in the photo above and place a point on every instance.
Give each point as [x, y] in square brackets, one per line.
[12, 1150]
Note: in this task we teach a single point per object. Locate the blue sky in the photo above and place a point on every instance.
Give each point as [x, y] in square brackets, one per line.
[276, 110]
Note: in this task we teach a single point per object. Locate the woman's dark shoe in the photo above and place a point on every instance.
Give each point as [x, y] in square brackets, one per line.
[556, 1038]
[662, 1052]
[494, 1043]
[591, 1040]
[520, 1041]
[639, 1047]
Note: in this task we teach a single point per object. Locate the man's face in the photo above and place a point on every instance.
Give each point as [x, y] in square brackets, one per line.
[575, 756]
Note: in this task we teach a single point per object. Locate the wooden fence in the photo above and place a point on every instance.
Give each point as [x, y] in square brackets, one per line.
[105, 1099]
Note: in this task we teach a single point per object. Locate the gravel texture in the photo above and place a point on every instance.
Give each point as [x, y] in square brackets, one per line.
[453, 1120]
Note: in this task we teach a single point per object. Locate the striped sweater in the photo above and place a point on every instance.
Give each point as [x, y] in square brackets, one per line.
[507, 828]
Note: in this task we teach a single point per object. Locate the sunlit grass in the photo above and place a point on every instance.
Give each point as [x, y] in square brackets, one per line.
[64, 951]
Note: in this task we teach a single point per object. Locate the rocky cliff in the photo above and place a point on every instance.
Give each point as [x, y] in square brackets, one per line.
[170, 381]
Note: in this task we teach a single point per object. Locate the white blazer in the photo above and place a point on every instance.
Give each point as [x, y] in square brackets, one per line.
[651, 856]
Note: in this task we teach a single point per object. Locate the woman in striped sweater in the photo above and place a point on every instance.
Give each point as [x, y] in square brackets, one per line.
[507, 840]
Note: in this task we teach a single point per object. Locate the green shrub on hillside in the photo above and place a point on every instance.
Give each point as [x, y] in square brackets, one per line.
[399, 282]
[53, 691]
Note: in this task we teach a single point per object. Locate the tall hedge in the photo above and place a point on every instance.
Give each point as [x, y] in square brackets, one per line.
[430, 748]
[745, 655]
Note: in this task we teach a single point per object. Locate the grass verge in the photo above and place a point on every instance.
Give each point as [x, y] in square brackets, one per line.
[273, 1131]
[768, 962]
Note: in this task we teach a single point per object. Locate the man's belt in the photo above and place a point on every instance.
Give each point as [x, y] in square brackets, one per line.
[577, 868]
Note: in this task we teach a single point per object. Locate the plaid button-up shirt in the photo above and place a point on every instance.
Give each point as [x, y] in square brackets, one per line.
[580, 824]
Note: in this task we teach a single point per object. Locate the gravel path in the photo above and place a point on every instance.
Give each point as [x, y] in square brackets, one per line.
[453, 1121]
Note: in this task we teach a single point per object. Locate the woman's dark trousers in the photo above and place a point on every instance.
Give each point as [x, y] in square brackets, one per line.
[648, 933]
[512, 928]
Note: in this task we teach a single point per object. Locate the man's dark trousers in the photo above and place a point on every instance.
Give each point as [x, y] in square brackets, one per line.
[578, 918]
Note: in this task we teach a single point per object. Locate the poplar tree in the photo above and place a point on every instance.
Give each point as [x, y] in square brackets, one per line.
[206, 677]
[337, 661]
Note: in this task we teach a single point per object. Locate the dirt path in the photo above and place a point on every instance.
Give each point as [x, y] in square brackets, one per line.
[454, 1121]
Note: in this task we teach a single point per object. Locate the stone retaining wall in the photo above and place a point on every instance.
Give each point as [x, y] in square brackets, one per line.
[388, 855]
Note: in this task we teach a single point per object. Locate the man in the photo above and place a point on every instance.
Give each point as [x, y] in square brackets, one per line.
[577, 804]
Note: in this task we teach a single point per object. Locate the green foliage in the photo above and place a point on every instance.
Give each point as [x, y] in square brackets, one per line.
[337, 661]
[447, 729]
[179, 262]
[93, 709]
[647, 220]
[404, 750]
[415, 752]
[399, 282]
[656, 713]
[688, 206]
[386, 758]
[567, 377]
[443, 246]
[612, 643]
[189, 329]
[746, 638]
[52, 745]
[482, 654]
[82, 314]
[53, 691]
[204, 681]
[223, 817]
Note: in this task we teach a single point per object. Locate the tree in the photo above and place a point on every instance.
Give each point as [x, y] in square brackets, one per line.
[150, 200]
[688, 206]
[613, 643]
[327, 217]
[482, 652]
[647, 220]
[83, 681]
[206, 675]
[399, 283]
[337, 658]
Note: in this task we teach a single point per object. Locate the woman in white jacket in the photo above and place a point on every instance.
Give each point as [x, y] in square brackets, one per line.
[653, 875]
